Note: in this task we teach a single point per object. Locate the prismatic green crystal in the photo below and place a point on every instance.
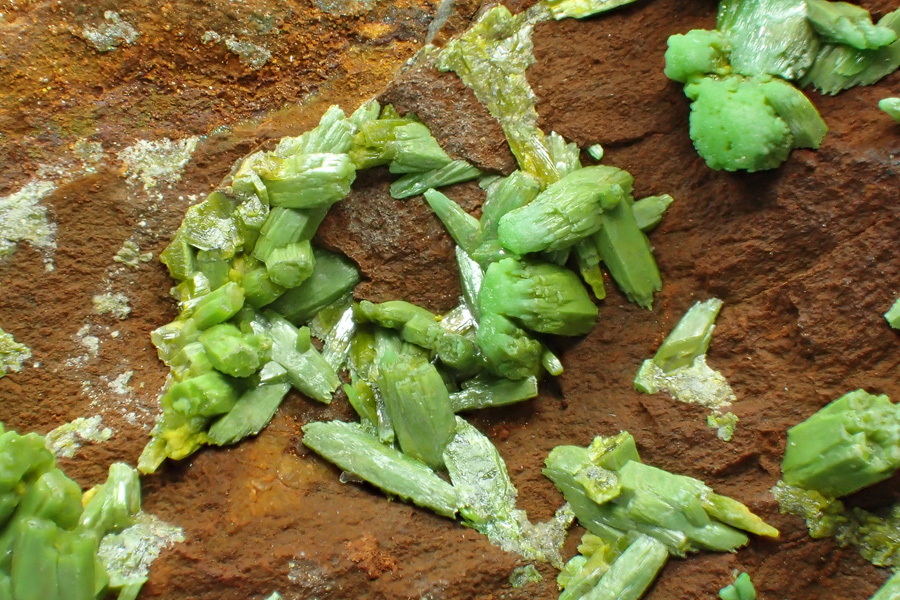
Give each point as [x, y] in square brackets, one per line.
[612, 492]
[349, 447]
[333, 277]
[846, 446]
[484, 391]
[893, 315]
[690, 338]
[509, 350]
[632, 572]
[741, 589]
[540, 296]
[768, 37]
[463, 227]
[839, 66]
[308, 180]
[848, 24]
[890, 589]
[891, 106]
[566, 212]
[626, 252]
[418, 403]
[417, 183]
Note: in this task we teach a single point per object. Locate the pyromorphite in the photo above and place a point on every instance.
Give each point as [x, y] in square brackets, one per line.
[348, 446]
[848, 445]
[566, 212]
[541, 296]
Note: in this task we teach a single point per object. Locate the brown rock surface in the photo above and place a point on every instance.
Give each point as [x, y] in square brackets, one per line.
[804, 257]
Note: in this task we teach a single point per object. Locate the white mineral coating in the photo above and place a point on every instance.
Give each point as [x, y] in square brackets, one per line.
[24, 219]
[156, 162]
[110, 34]
[249, 53]
[115, 304]
[128, 555]
[66, 439]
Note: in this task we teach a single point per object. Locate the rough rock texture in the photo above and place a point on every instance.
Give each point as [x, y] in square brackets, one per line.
[804, 257]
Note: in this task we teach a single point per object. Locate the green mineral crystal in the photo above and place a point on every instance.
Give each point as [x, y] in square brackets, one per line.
[848, 24]
[892, 107]
[846, 446]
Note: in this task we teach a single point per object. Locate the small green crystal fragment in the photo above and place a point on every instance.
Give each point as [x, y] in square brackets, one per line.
[131, 256]
[690, 338]
[849, 444]
[349, 447]
[770, 37]
[724, 424]
[893, 315]
[694, 384]
[848, 24]
[334, 133]
[892, 107]
[115, 304]
[823, 515]
[649, 211]
[522, 576]
[580, 9]
[12, 354]
[66, 439]
[596, 151]
[741, 589]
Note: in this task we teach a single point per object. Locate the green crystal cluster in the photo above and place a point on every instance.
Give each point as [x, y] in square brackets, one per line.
[745, 113]
[249, 277]
[636, 516]
[50, 534]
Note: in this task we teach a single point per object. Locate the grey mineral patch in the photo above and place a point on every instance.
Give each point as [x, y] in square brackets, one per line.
[249, 53]
[210, 37]
[345, 8]
[111, 33]
[115, 304]
[156, 162]
[24, 219]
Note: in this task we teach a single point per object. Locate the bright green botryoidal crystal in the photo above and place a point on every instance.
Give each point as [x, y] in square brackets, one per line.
[892, 107]
[349, 447]
[612, 493]
[848, 24]
[768, 37]
[741, 589]
[541, 296]
[839, 66]
[697, 53]
[12, 354]
[846, 446]
[741, 119]
[750, 124]
[893, 315]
